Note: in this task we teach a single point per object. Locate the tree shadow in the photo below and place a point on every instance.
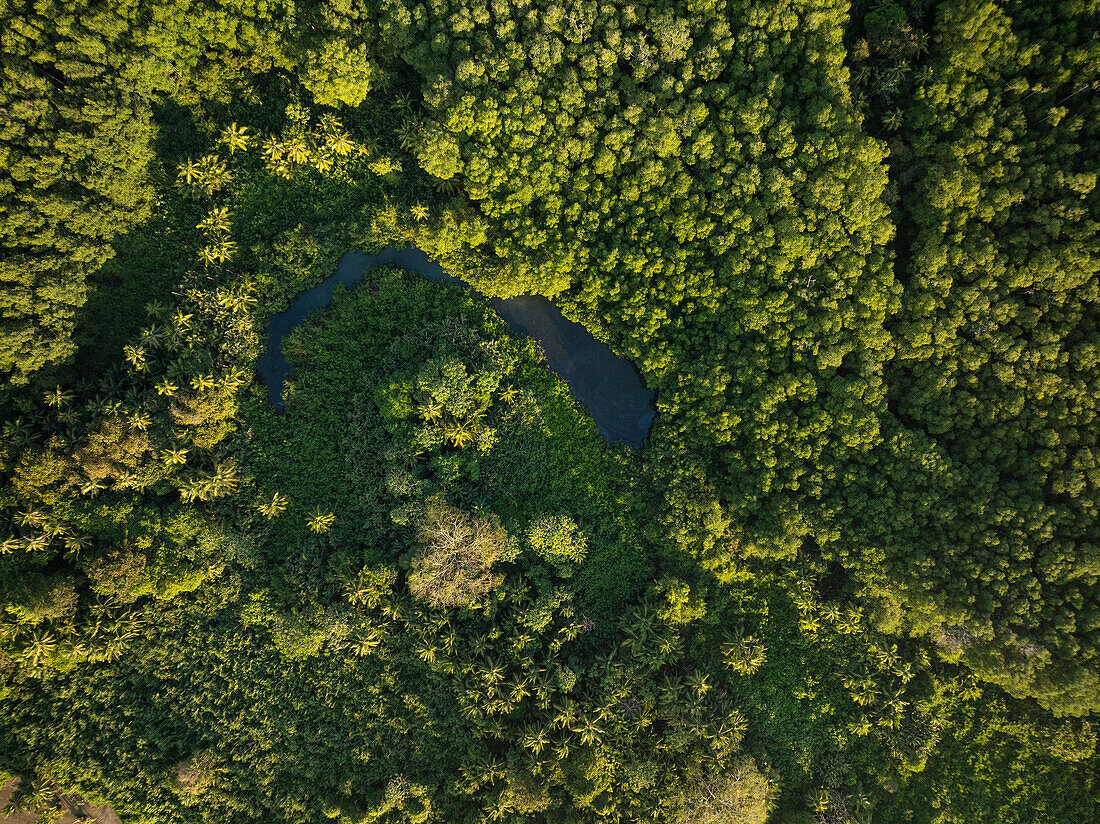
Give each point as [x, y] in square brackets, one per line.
[149, 261]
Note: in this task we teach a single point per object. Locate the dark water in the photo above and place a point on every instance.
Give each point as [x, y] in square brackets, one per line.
[608, 386]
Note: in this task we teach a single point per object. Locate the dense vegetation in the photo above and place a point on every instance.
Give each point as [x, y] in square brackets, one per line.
[851, 576]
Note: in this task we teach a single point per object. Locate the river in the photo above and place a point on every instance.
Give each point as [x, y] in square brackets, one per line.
[608, 386]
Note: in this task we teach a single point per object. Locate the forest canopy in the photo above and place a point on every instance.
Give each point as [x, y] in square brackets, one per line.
[852, 573]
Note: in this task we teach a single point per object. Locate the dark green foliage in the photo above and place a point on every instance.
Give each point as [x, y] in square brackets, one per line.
[76, 152]
[990, 762]
[854, 252]
[984, 501]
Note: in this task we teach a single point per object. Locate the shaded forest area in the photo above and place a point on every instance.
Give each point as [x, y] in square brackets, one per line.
[850, 577]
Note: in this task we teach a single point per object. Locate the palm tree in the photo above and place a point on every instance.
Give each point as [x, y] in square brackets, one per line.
[136, 357]
[273, 508]
[459, 433]
[235, 138]
[670, 692]
[895, 703]
[865, 692]
[156, 309]
[297, 151]
[208, 255]
[36, 543]
[218, 222]
[642, 626]
[745, 655]
[448, 186]
[219, 251]
[224, 249]
[564, 714]
[341, 144]
[518, 689]
[75, 543]
[850, 623]
[189, 172]
[809, 624]
[19, 431]
[92, 486]
[188, 176]
[112, 648]
[430, 410]
[236, 377]
[367, 644]
[492, 672]
[153, 335]
[273, 150]
[323, 161]
[561, 749]
[40, 646]
[139, 421]
[419, 212]
[543, 688]
[535, 739]
[819, 801]
[237, 301]
[226, 478]
[320, 522]
[905, 672]
[411, 134]
[58, 398]
[193, 489]
[589, 730]
[31, 517]
[698, 682]
[200, 383]
[174, 457]
[509, 394]
[888, 657]
[167, 388]
[181, 319]
[213, 174]
[861, 726]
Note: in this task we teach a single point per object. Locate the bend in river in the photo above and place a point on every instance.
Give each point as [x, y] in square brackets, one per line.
[607, 385]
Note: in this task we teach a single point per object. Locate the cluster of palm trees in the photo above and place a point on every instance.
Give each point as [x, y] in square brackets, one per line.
[744, 653]
[104, 637]
[43, 798]
[326, 147]
[216, 227]
[883, 685]
[206, 486]
[457, 431]
[204, 177]
[153, 421]
[37, 532]
[515, 683]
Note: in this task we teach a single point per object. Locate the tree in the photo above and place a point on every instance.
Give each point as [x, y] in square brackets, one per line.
[742, 794]
[320, 522]
[338, 73]
[453, 567]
